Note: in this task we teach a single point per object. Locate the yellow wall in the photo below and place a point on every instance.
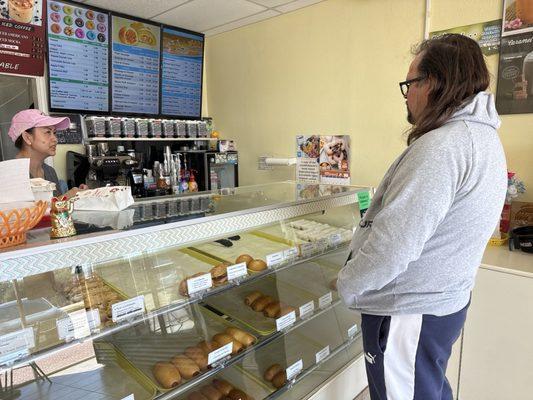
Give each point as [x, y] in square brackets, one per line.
[334, 68]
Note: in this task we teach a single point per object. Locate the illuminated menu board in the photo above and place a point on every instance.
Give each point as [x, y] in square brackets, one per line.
[135, 66]
[181, 69]
[78, 40]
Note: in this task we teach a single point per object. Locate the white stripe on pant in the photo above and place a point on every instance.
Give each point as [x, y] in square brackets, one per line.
[400, 356]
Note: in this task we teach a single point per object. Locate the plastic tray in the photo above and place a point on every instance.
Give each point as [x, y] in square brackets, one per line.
[34, 311]
[239, 380]
[232, 303]
[257, 247]
[141, 347]
[284, 351]
[156, 276]
[317, 278]
[346, 318]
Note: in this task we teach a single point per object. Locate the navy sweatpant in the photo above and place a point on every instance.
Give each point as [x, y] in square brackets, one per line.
[406, 355]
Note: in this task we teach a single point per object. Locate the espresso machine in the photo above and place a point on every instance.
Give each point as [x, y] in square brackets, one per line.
[106, 169]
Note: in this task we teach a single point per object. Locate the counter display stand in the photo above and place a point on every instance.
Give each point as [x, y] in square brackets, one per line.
[233, 299]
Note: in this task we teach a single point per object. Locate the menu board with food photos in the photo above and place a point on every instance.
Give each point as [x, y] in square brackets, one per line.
[182, 73]
[78, 41]
[135, 66]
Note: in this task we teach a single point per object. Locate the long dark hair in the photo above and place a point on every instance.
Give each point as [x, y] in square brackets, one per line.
[455, 65]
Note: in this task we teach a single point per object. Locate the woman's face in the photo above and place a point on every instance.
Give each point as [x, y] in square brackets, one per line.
[43, 140]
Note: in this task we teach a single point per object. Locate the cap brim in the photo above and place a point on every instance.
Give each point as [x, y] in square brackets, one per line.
[60, 123]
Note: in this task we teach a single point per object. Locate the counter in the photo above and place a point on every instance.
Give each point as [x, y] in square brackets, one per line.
[165, 303]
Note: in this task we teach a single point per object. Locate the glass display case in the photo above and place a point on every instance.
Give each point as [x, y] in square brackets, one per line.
[218, 295]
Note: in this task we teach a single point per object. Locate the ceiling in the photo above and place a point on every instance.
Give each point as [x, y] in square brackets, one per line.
[208, 16]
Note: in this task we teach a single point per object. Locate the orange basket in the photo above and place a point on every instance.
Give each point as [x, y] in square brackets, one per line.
[15, 223]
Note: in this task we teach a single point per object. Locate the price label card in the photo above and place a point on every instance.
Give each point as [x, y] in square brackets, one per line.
[74, 326]
[16, 345]
[325, 300]
[199, 283]
[307, 309]
[127, 309]
[286, 321]
[335, 239]
[237, 271]
[321, 244]
[275, 259]
[130, 397]
[219, 353]
[294, 369]
[291, 253]
[322, 354]
[307, 249]
[352, 331]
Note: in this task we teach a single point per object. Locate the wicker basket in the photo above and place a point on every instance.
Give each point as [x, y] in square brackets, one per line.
[15, 223]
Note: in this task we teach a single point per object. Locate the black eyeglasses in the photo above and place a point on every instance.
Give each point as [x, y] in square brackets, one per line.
[404, 86]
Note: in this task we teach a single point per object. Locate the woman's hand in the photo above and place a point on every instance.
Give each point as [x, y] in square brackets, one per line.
[72, 192]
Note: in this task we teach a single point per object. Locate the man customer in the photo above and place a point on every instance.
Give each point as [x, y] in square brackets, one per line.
[415, 255]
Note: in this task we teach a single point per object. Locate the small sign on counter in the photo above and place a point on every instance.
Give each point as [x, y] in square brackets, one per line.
[307, 309]
[219, 353]
[286, 321]
[325, 300]
[127, 309]
[78, 324]
[307, 249]
[290, 253]
[16, 345]
[199, 283]
[322, 354]
[237, 271]
[294, 369]
[352, 331]
[275, 258]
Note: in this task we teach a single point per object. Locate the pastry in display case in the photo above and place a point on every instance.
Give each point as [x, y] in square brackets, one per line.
[235, 303]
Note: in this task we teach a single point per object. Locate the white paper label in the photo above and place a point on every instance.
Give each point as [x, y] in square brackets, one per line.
[352, 331]
[307, 249]
[321, 244]
[275, 258]
[325, 300]
[130, 397]
[307, 309]
[219, 353]
[199, 283]
[16, 345]
[127, 308]
[236, 271]
[286, 321]
[335, 239]
[322, 354]
[294, 369]
[291, 253]
[78, 324]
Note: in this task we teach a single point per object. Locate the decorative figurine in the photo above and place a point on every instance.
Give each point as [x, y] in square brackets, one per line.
[61, 218]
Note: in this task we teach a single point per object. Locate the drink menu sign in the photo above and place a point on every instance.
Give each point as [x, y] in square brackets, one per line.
[78, 57]
[22, 37]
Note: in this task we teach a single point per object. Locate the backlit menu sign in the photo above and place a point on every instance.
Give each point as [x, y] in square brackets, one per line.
[182, 73]
[78, 43]
[135, 66]
[22, 40]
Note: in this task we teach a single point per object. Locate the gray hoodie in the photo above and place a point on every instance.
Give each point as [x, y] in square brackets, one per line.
[418, 247]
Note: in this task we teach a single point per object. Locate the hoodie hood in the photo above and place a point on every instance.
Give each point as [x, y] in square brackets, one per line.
[481, 109]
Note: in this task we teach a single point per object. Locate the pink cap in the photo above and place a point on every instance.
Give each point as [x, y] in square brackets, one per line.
[27, 119]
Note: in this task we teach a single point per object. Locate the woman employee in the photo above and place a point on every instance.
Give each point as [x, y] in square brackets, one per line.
[34, 134]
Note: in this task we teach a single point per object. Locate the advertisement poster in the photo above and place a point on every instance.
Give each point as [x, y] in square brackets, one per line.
[22, 37]
[78, 57]
[307, 154]
[334, 159]
[515, 72]
[135, 66]
[487, 34]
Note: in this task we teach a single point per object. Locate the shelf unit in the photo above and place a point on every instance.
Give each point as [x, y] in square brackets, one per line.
[130, 139]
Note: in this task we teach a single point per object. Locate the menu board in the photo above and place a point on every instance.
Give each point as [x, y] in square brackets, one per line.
[22, 37]
[135, 66]
[182, 73]
[78, 41]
